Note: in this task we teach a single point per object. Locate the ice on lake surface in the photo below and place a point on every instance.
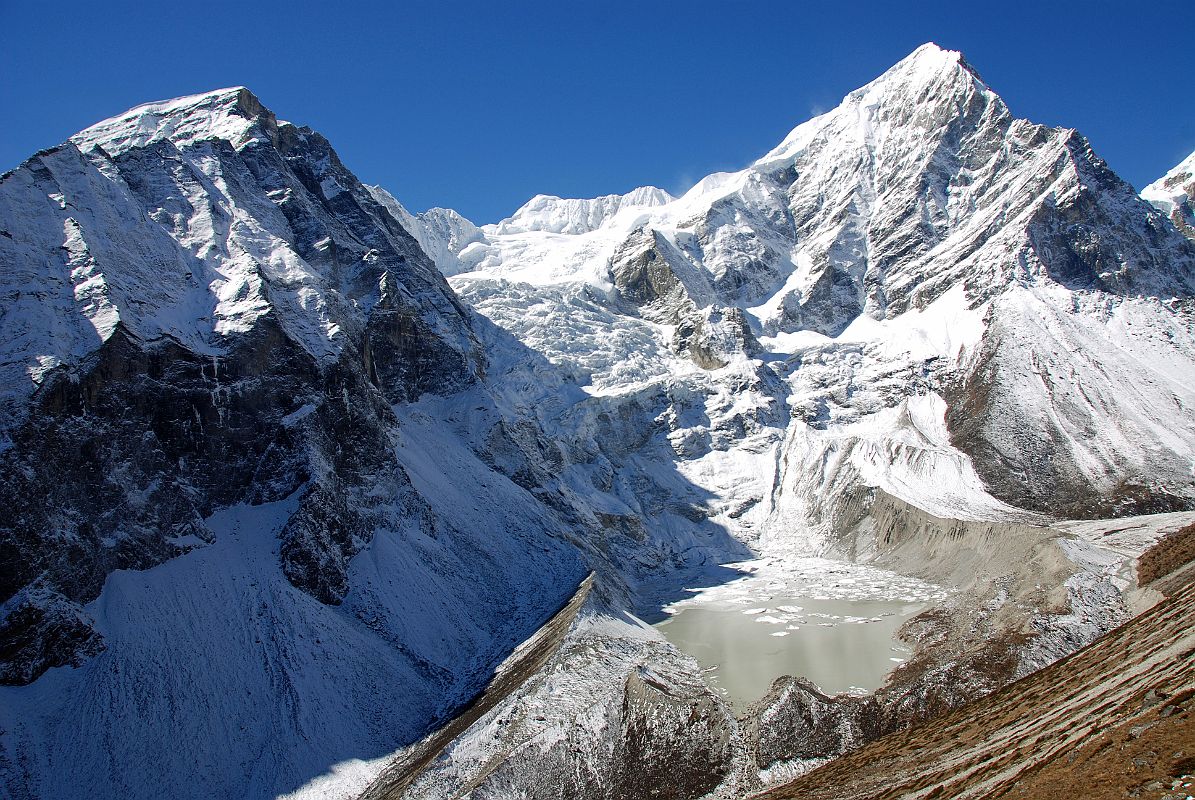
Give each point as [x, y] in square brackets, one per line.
[830, 621]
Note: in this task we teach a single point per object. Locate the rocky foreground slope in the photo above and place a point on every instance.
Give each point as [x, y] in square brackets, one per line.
[277, 490]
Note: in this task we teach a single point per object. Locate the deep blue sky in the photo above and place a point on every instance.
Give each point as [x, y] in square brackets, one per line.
[479, 105]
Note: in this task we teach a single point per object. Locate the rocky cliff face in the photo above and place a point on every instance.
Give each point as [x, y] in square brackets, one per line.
[207, 309]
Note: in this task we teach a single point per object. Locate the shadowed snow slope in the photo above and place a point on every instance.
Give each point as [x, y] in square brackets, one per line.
[272, 508]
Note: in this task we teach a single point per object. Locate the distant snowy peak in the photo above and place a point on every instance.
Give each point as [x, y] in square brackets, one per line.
[448, 235]
[566, 215]
[396, 209]
[234, 115]
[1174, 195]
[442, 233]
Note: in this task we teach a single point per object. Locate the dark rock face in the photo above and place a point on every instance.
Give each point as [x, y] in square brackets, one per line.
[659, 283]
[405, 358]
[1085, 244]
[118, 456]
[797, 721]
[833, 301]
[711, 336]
[116, 468]
[644, 275]
[42, 629]
[671, 745]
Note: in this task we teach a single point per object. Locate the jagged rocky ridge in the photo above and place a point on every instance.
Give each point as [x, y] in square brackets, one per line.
[233, 361]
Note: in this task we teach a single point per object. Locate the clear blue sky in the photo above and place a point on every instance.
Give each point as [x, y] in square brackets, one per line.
[479, 105]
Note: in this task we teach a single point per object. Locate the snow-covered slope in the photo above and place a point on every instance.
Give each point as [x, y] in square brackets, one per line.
[268, 687]
[915, 292]
[271, 507]
[1174, 195]
[559, 215]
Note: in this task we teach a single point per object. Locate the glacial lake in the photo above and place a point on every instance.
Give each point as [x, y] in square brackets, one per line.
[830, 621]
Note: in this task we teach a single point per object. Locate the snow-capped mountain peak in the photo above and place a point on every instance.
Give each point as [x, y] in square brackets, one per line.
[929, 77]
[920, 221]
[1174, 195]
[233, 114]
[193, 219]
[920, 181]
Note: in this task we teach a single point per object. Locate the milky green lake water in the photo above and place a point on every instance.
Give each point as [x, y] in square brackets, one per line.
[830, 622]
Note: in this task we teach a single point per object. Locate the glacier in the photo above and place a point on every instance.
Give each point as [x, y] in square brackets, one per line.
[916, 242]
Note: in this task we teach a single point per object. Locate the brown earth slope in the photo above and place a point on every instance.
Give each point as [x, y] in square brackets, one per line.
[1113, 720]
[1170, 553]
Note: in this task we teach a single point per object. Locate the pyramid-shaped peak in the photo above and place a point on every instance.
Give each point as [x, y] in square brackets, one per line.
[232, 114]
[929, 77]
[932, 52]
[928, 64]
